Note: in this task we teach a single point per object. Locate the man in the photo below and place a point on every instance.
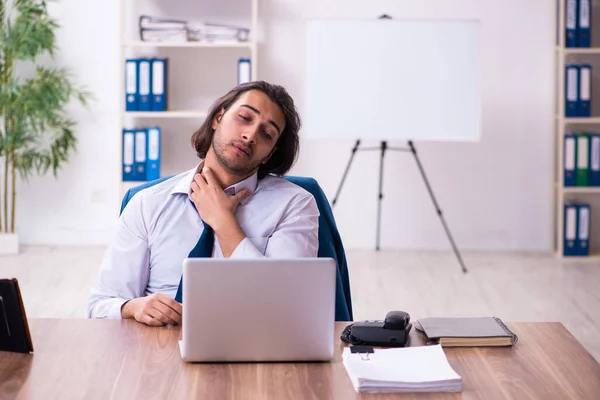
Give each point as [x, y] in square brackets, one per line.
[249, 137]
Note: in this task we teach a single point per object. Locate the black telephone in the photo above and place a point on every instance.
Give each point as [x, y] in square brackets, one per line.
[393, 331]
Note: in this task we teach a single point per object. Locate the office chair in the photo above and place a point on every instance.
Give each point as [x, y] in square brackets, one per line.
[330, 242]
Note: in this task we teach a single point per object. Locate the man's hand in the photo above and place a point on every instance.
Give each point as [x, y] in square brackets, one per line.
[157, 309]
[214, 205]
[217, 209]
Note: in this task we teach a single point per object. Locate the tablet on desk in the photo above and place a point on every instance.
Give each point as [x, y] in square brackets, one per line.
[14, 330]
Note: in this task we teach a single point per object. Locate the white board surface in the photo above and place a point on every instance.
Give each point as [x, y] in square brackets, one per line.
[393, 79]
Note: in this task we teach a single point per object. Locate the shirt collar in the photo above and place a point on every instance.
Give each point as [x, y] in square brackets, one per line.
[185, 183]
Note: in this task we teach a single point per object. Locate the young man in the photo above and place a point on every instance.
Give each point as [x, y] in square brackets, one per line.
[249, 136]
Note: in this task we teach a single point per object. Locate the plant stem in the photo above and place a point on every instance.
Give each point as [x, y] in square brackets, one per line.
[6, 157]
[7, 152]
[13, 204]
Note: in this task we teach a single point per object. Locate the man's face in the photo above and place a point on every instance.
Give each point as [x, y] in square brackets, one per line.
[246, 135]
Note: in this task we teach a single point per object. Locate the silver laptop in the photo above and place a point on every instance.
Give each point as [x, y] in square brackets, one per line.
[258, 310]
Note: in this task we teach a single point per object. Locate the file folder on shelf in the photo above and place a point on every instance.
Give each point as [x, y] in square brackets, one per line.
[583, 229]
[153, 154]
[570, 153]
[571, 23]
[159, 84]
[570, 229]
[584, 23]
[139, 162]
[131, 85]
[244, 70]
[585, 91]
[594, 171]
[145, 80]
[128, 155]
[583, 157]
[571, 90]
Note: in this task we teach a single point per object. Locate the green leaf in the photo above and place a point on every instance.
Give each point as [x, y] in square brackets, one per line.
[30, 32]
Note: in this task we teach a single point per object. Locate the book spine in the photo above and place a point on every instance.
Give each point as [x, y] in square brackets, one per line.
[513, 338]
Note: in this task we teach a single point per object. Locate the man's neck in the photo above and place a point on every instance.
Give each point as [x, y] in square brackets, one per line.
[222, 176]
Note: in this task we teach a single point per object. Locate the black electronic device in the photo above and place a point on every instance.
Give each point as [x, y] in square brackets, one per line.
[14, 329]
[393, 331]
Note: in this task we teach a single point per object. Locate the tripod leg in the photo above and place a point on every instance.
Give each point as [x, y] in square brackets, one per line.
[354, 149]
[383, 149]
[437, 208]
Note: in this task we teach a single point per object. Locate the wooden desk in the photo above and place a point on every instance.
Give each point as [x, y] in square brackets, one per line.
[113, 359]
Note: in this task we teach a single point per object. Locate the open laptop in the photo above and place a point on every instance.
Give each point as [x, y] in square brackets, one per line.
[256, 310]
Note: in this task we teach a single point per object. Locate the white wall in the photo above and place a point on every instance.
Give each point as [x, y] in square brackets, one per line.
[495, 194]
[80, 206]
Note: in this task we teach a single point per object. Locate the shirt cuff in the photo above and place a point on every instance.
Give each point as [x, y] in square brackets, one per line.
[114, 308]
[246, 249]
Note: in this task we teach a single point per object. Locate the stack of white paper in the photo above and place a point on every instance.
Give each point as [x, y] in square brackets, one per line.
[159, 29]
[218, 32]
[402, 370]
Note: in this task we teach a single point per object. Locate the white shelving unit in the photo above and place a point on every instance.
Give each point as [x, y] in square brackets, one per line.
[167, 114]
[241, 45]
[128, 48]
[581, 51]
[563, 125]
[581, 190]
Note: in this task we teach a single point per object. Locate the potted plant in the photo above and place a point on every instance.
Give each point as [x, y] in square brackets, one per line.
[36, 135]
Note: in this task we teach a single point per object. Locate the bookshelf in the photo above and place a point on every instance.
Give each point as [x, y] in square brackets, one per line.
[579, 121]
[167, 114]
[563, 125]
[241, 45]
[131, 46]
[582, 50]
[581, 190]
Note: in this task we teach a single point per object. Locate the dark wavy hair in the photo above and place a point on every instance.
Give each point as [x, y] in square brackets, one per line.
[286, 153]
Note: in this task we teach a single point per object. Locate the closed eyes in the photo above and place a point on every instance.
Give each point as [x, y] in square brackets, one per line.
[264, 132]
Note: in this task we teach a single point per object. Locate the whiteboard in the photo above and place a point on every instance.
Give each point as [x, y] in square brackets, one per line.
[393, 79]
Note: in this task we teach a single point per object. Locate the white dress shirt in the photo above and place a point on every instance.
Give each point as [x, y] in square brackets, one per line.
[160, 226]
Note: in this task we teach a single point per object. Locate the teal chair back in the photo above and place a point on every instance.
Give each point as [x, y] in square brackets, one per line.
[330, 242]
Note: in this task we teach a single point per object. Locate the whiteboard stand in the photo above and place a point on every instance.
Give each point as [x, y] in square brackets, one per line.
[383, 147]
[387, 80]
